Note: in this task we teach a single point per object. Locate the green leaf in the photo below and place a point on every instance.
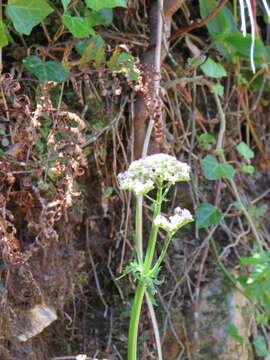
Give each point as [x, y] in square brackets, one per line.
[221, 23]
[5, 142]
[213, 69]
[196, 61]
[45, 71]
[210, 165]
[260, 346]
[89, 49]
[97, 5]
[241, 45]
[218, 89]
[133, 76]
[249, 169]
[255, 211]
[108, 192]
[233, 332]
[77, 25]
[65, 3]
[3, 34]
[25, 14]
[207, 147]
[207, 215]
[226, 170]
[245, 150]
[101, 17]
[213, 170]
[207, 138]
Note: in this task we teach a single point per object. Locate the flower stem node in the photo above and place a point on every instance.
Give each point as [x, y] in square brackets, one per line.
[142, 175]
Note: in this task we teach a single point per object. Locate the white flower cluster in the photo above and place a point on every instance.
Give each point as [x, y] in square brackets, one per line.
[180, 218]
[251, 16]
[154, 169]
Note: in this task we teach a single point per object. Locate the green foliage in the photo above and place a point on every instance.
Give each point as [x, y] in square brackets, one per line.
[25, 14]
[249, 169]
[45, 71]
[207, 138]
[241, 45]
[228, 40]
[218, 89]
[97, 5]
[196, 61]
[213, 69]
[222, 23]
[256, 282]
[3, 34]
[260, 346]
[257, 211]
[214, 170]
[233, 332]
[101, 17]
[65, 3]
[77, 25]
[245, 150]
[207, 215]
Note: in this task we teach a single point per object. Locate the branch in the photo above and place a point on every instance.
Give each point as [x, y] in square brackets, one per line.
[199, 23]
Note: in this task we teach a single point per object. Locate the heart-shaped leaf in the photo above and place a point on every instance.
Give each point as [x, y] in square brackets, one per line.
[25, 14]
[45, 71]
[207, 215]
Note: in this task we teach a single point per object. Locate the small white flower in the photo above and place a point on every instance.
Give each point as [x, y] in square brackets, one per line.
[167, 168]
[180, 218]
[138, 186]
[154, 169]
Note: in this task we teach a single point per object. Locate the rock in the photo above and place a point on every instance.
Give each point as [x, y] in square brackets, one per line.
[219, 306]
[32, 322]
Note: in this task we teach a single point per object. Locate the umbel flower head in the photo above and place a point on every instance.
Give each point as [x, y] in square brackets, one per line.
[173, 223]
[143, 174]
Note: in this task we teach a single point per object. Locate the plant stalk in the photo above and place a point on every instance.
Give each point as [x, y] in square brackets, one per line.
[153, 233]
[134, 321]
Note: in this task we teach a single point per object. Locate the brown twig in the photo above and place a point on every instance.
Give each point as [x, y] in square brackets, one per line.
[200, 23]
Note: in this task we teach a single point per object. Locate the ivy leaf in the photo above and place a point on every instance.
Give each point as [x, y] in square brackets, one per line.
[83, 46]
[249, 169]
[221, 23]
[207, 215]
[207, 138]
[260, 346]
[213, 170]
[213, 69]
[245, 150]
[65, 3]
[25, 14]
[196, 61]
[3, 34]
[45, 71]
[218, 89]
[97, 5]
[241, 45]
[210, 166]
[101, 17]
[77, 25]
[225, 170]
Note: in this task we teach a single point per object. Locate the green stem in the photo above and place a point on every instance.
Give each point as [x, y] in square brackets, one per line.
[138, 240]
[134, 321]
[161, 257]
[153, 233]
